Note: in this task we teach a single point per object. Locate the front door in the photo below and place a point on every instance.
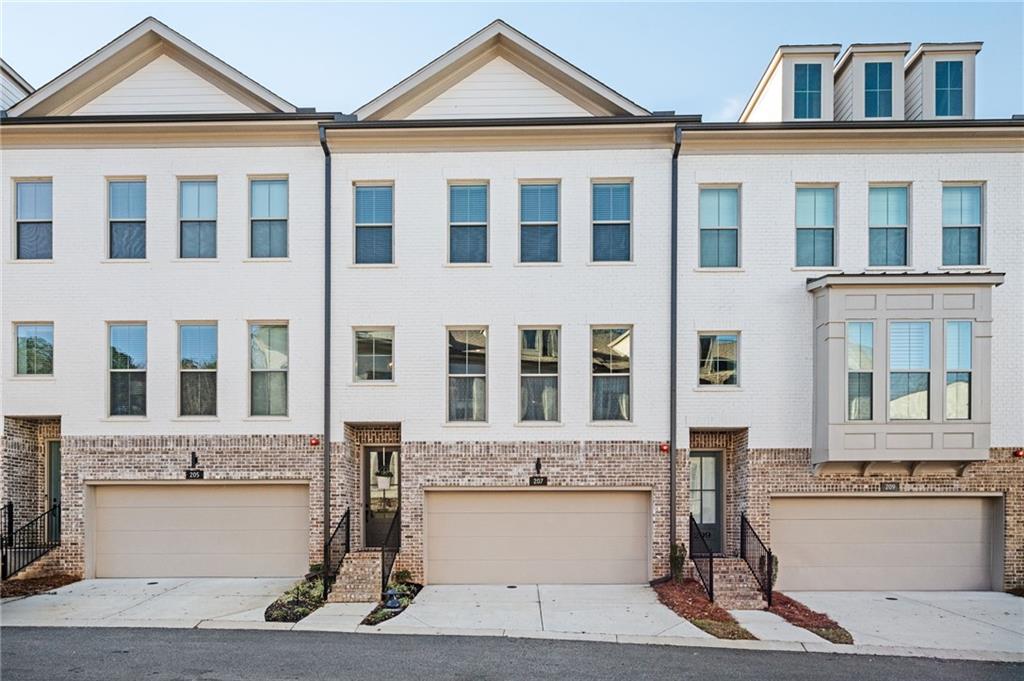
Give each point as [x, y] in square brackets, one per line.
[381, 492]
[52, 487]
[706, 496]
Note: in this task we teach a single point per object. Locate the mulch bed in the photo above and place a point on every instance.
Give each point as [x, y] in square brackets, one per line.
[798, 614]
[1019, 591]
[689, 600]
[406, 593]
[297, 602]
[36, 585]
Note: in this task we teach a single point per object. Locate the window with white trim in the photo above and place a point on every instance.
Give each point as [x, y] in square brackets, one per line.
[612, 221]
[268, 206]
[34, 220]
[860, 366]
[887, 226]
[611, 373]
[959, 358]
[197, 369]
[35, 349]
[268, 369]
[719, 223]
[961, 224]
[197, 218]
[538, 222]
[374, 224]
[375, 358]
[815, 226]
[467, 223]
[909, 370]
[538, 374]
[467, 374]
[127, 213]
[127, 368]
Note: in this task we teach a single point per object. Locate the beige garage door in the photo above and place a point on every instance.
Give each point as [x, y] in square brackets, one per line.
[201, 530]
[874, 544]
[537, 537]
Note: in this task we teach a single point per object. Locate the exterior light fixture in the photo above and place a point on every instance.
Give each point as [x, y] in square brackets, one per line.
[663, 447]
[314, 442]
[1018, 453]
[392, 602]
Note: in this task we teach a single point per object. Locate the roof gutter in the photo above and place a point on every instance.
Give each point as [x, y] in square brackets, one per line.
[510, 122]
[327, 353]
[673, 345]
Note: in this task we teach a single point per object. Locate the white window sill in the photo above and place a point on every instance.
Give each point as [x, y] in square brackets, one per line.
[538, 264]
[828, 270]
[466, 424]
[718, 269]
[34, 378]
[280, 259]
[125, 261]
[30, 261]
[965, 268]
[875, 269]
[611, 424]
[718, 389]
[267, 418]
[373, 265]
[126, 419]
[611, 263]
[196, 418]
[196, 260]
[467, 265]
[538, 424]
[372, 384]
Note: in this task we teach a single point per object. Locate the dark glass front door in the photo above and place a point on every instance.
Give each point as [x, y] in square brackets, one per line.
[381, 492]
[706, 496]
[52, 486]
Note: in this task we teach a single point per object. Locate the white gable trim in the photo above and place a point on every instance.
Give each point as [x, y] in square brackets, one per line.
[154, 31]
[535, 59]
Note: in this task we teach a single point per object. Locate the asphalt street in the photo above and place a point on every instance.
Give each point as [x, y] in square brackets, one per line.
[56, 654]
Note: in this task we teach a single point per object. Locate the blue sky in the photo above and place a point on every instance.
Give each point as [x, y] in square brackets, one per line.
[690, 57]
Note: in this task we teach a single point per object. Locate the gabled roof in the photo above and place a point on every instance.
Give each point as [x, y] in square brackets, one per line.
[134, 49]
[891, 49]
[769, 71]
[498, 39]
[9, 71]
[968, 47]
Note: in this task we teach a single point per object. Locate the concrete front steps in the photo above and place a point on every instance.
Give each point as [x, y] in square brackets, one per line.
[358, 579]
[735, 586]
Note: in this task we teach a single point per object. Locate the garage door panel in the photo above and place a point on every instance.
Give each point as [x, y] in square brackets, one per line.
[871, 543]
[536, 524]
[556, 536]
[188, 530]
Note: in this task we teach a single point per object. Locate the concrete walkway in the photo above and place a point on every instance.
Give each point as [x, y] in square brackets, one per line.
[174, 603]
[540, 610]
[946, 620]
[767, 626]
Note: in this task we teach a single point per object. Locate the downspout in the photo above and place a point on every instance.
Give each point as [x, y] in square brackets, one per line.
[327, 352]
[673, 329]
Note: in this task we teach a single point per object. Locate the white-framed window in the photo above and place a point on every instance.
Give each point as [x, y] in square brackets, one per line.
[374, 222]
[961, 224]
[909, 370]
[611, 373]
[467, 222]
[887, 226]
[34, 348]
[33, 220]
[878, 89]
[860, 367]
[612, 216]
[374, 354]
[268, 369]
[127, 365]
[197, 369]
[959, 361]
[539, 356]
[197, 206]
[268, 218]
[538, 222]
[815, 226]
[807, 90]
[467, 374]
[126, 209]
[949, 88]
[719, 224]
[719, 360]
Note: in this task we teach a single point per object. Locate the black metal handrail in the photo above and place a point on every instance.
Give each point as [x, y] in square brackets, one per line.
[703, 559]
[25, 545]
[757, 556]
[337, 548]
[389, 550]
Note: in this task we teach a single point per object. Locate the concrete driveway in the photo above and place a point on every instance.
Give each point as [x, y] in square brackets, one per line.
[528, 609]
[178, 603]
[950, 620]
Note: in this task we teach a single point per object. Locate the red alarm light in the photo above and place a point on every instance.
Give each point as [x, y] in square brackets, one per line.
[1019, 453]
[663, 447]
[314, 442]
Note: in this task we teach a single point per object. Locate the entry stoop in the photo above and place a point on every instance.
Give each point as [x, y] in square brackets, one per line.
[735, 586]
[358, 580]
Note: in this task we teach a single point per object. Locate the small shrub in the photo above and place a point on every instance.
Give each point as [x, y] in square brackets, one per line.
[297, 602]
[401, 576]
[677, 561]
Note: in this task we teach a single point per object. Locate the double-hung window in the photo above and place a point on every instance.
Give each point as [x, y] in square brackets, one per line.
[719, 222]
[127, 209]
[197, 368]
[961, 225]
[198, 218]
[815, 226]
[538, 374]
[958, 369]
[612, 217]
[860, 365]
[807, 91]
[268, 369]
[467, 374]
[374, 224]
[269, 218]
[127, 366]
[719, 359]
[611, 365]
[35, 349]
[949, 88]
[375, 354]
[887, 218]
[467, 223]
[878, 89]
[34, 220]
[909, 370]
[538, 222]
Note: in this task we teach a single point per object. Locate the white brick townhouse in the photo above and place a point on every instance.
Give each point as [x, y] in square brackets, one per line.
[542, 332]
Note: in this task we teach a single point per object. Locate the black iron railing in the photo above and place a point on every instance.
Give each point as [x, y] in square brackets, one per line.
[23, 546]
[758, 557]
[389, 550]
[337, 548]
[703, 559]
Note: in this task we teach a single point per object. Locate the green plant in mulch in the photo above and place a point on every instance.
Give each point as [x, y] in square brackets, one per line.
[297, 602]
[677, 561]
[405, 592]
[688, 600]
[729, 630]
[798, 614]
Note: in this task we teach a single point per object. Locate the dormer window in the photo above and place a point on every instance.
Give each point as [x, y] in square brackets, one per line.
[807, 91]
[878, 89]
[949, 88]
